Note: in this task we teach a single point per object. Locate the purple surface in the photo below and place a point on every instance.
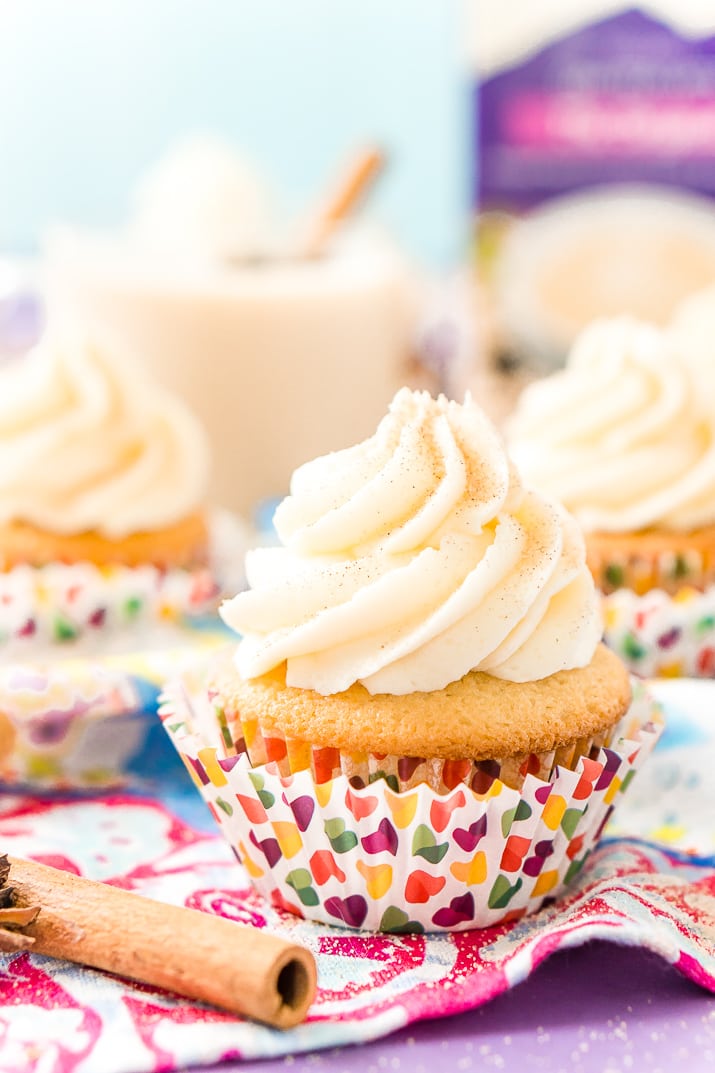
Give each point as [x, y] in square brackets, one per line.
[629, 62]
[621, 1010]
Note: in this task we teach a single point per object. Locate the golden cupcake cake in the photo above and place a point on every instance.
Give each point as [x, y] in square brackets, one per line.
[624, 436]
[102, 481]
[419, 728]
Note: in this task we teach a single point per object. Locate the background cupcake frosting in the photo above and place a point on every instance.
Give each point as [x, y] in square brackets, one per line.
[624, 435]
[89, 443]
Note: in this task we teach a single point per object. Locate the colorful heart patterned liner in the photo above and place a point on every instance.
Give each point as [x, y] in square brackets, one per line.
[660, 569]
[662, 636]
[290, 755]
[69, 728]
[413, 860]
[61, 602]
[85, 724]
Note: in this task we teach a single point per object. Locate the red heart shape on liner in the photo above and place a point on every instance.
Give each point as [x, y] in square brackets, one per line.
[254, 810]
[323, 865]
[282, 903]
[421, 886]
[514, 852]
[440, 811]
[455, 771]
[360, 806]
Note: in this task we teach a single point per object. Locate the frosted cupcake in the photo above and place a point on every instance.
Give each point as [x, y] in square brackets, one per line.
[419, 708]
[624, 436]
[102, 479]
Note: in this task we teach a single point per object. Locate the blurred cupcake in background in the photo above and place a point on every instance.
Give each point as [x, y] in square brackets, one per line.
[103, 526]
[624, 436]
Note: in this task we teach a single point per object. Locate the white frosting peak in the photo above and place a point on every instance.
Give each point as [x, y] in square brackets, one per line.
[89, 443]
[412, 559]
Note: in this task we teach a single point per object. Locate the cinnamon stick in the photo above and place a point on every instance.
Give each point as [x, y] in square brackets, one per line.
[354, 183]
[203, 957]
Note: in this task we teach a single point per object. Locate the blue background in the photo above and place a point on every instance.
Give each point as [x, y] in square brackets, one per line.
[93, 91]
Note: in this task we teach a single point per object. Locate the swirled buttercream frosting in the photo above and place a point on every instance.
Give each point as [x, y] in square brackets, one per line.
[413, 558]
[624, 436]
[89, 444]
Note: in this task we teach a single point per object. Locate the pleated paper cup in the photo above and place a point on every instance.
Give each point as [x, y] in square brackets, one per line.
[60, 603]
[658, 635]
[82, 608]
[268, 745]
[74, 727]
[90, 723]
[398, 856]
[669, 570]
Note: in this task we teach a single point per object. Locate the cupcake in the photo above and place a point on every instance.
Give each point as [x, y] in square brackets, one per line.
[102, 521]
[419, 729]
[624, 436]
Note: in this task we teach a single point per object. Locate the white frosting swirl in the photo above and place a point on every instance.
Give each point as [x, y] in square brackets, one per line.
[412, 559]
[692, 333]
[89, 443]
[624, 436]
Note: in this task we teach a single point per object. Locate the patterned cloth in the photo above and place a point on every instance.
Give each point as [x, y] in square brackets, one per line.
[57, 1018]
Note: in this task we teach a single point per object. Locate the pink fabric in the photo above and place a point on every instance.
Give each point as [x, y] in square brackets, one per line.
[60, 1018]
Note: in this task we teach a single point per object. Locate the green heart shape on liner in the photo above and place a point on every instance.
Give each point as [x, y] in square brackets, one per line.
[575, 867]
[624, 785]
[570, 821]
[300, 880]
[63, 629]
[502, 892]
[521, 812]
[132, 606]
[424, 844]
[266, 798]
[632, 648]
[340, 839]
[397, 921]
[391, 780]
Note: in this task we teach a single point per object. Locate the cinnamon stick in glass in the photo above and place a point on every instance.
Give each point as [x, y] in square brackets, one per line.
[208, 958]
[360, 174]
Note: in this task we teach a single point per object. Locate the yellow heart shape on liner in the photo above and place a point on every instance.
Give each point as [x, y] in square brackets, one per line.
[378, 878]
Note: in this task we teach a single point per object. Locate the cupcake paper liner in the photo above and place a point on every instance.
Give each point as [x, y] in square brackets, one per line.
[101, 607]
[83, 652]
[662, 636]
[61, 602]
[69, 728]
[291, 755]
[84, 724]
[667, 570]
[412, 860]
